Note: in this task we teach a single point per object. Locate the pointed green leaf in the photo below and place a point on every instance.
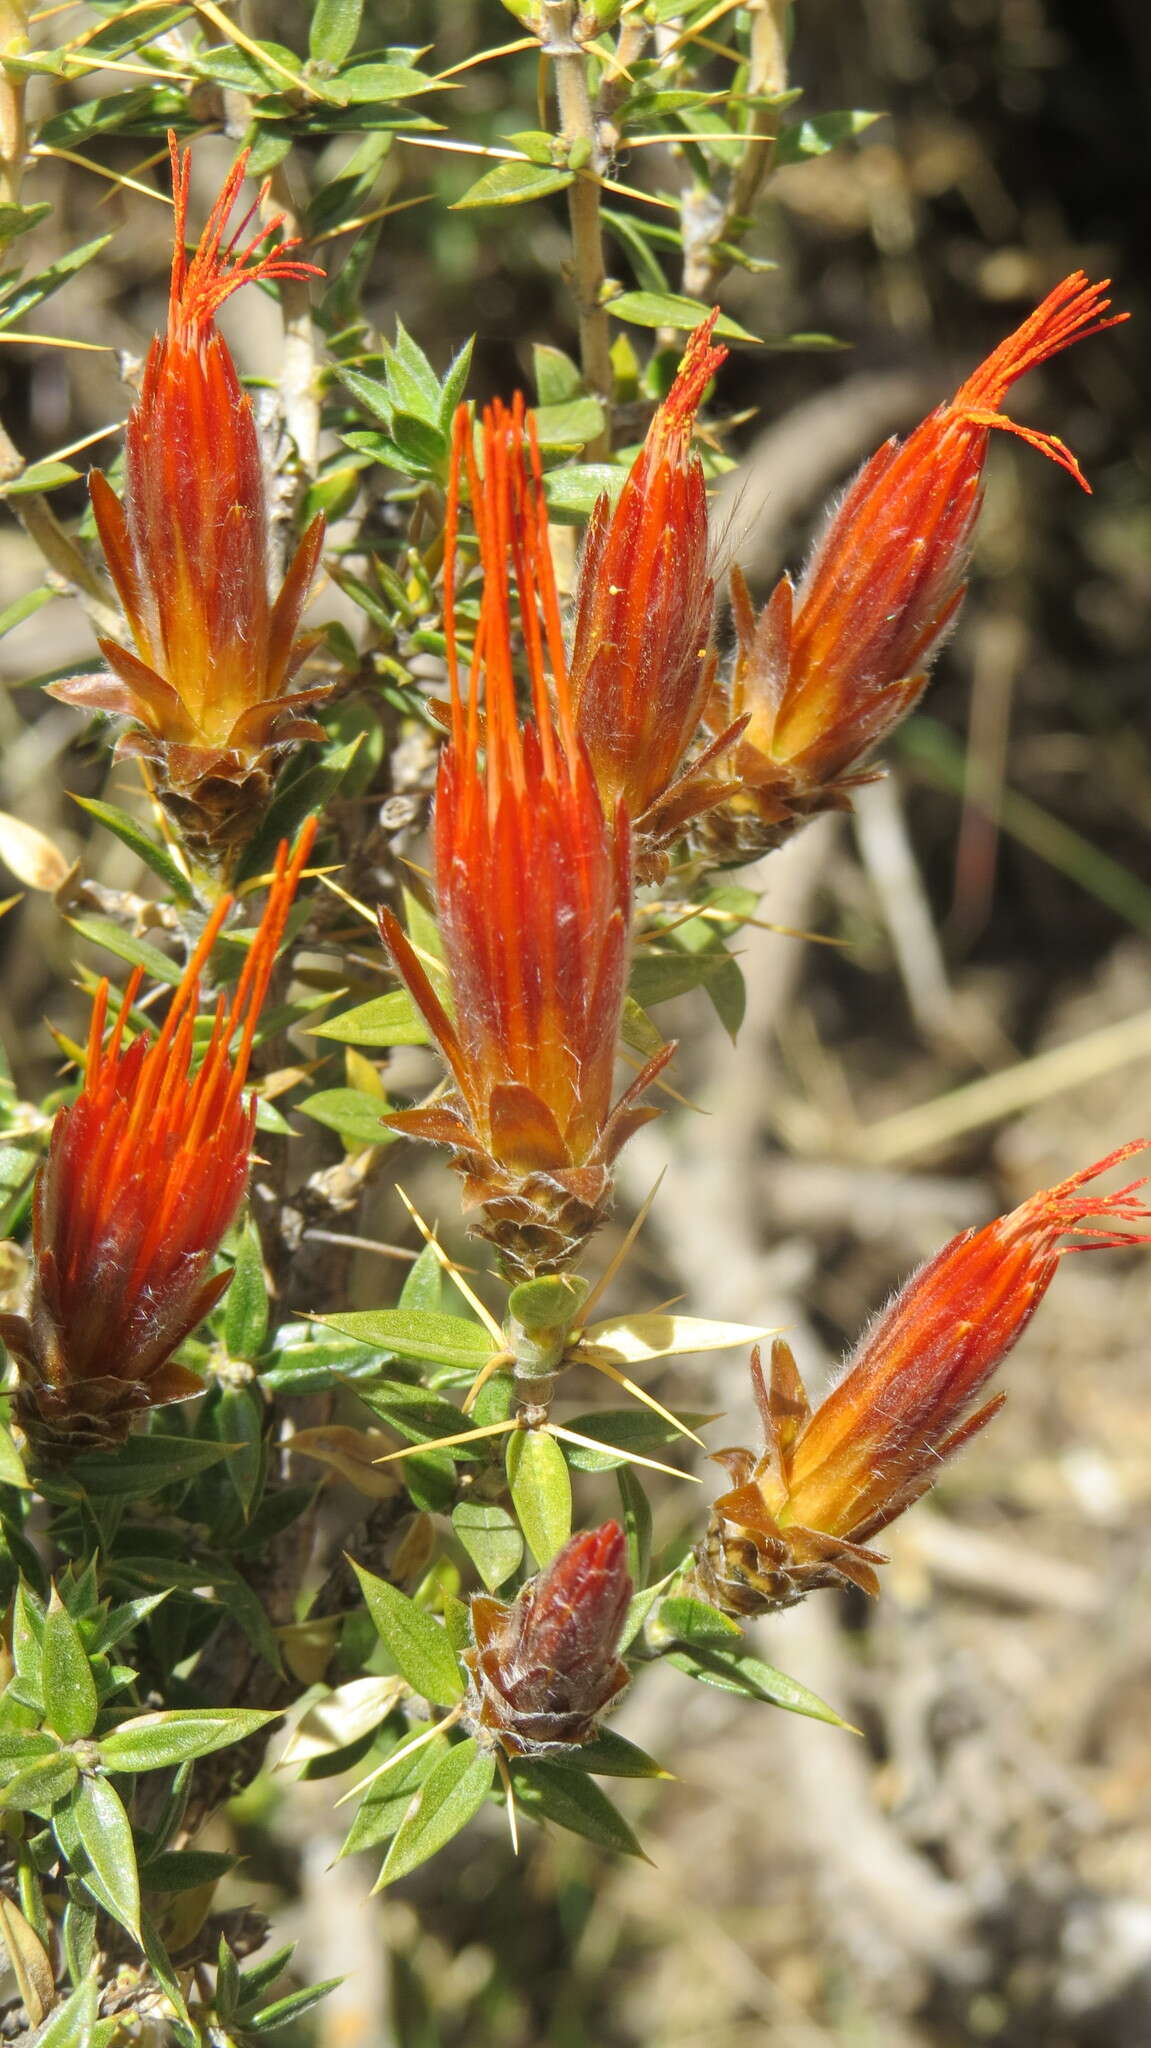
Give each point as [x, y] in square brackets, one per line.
[573, 1802]
[246, 1302]
[514, 184]
[140, 842]
[387, 1020]
[105, 1835]
[824, 132]
[670, 309]
[387, 1800]
[734, 1671]
[334, 27]
[352, 1113]
[624, 1433]
[415, 1333]
[574, 491]
[449, 1798]
[541, 1490]
[291, 2007]
[153, 1742]
[417, 1644]
[491, 1539]
[73, 2024]
[694, 1623]
[42, 1786]
[142, 1466]
[70, 1700]
[423, 1290]
[635, 1515]
[609, 1756]
[101, 931]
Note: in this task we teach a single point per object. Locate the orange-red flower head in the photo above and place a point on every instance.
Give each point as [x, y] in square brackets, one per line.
[829, 668]
[143, 1176]
[641, 662]
[800, 1514]
[534, 891]
[545, 1668]
[206, 685]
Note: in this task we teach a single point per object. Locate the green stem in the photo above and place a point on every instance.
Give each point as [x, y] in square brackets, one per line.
[705, 265]
[588, 277]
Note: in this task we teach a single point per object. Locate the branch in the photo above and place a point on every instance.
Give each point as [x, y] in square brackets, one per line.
[704, 265]
[578, 131]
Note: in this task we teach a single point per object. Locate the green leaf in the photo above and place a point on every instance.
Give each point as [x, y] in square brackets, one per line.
[541, 1491]
[12, 1471]
[70, 1699]
[491, 1539]
[291, 2007]
[421, 444]
[318, 1367]
[101, 931]
[48, 475]
[573, 1802]
[351, 1112]
[16, 220]
[414, 1639]
[514, 184]
[423, 1290]
[574, 491]
[31, 291]
[671, 309]
[133, 835]
[420, 1416]
[74, 2024]
[25, 607]
[820, 135]
[142, 1466]
[387, 1020]
[374, 84]
[659, 975]
[695, 1623]
[334, 27]
[246, 1302]
[557, 378]
[235, 1416]
[609, 1756]
[154, 1742]
[42, 1785]
[623, 1432]
[448, 1799]
[571, 424]
[105, 1835]
[185, 1870]
[387, 1800]
[635, 1515]
[414, 1333]
[735, 1671]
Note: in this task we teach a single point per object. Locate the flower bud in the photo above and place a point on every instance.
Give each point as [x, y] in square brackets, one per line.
[144, 1174]
[206, 687]
[801, 1513]
[830, 668]
[544, 1670]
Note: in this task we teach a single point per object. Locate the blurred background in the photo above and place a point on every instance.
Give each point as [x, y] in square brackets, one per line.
[974, 1866]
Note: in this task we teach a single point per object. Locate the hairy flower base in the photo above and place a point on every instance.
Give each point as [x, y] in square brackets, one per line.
[544, 1669]
[801, 1513]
